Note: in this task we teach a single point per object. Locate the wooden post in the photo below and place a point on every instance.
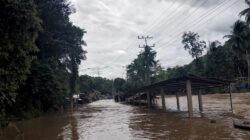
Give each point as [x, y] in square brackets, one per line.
[200, 100]
[163, 99]
[148, 98]
[189, 98]
[177, 101]
[231, 100]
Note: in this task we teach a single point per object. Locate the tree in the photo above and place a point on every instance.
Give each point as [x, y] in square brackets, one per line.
[55, 71]
[119, 84]
[160, 74]
[219, 61]
[141, 70]
[238, 40]
[246, 12]
[194, 46]
[75, 54]
[44, 93]
[86, 84]
[19, 26]
[135, 73]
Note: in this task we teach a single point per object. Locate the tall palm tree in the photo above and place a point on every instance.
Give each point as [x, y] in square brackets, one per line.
[238, 36]
[239, 41]
[246, 12]
[143, 67]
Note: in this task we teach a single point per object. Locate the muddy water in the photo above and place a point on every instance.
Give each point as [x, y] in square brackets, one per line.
[107, 120]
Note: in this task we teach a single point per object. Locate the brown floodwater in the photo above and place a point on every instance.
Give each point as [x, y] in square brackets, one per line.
[107, 120]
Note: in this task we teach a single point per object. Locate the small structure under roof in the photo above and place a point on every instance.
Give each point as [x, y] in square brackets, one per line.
[186, 83]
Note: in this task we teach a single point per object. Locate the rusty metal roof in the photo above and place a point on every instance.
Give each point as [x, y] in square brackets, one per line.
[177, 84]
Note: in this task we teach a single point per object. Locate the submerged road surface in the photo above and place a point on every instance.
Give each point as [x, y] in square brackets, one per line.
[107, 120]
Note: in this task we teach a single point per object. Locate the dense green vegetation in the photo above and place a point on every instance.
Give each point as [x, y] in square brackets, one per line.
[141, 70]
[19, 27]
[39, 56]
[88, 84]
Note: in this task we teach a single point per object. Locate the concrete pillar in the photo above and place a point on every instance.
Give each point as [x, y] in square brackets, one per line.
[178, 101]
[200, 100]
[189, 98]
[163, 99]
[231, 100]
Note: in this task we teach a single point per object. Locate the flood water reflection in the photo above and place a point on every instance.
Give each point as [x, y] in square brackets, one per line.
[107, 120]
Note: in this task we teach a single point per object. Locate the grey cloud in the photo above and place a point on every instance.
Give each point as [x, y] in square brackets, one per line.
[113, 27]
[196, 3]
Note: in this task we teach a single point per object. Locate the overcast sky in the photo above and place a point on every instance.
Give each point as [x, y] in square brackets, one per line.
[113, 26]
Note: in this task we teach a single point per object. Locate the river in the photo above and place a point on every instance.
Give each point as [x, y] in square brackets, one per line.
[107, 120]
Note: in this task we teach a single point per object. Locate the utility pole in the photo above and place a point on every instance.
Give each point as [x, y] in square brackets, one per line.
[147, 74]
[146, 41]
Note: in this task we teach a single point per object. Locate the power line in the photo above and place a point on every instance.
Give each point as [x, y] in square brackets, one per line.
[172, 41]
[202, 17]
[175, 17]
[160, 16]
[146, 41]
[187, 25]
[97, 69]
[156, 24]
[117, 58]
[214, 10]
[187, 17]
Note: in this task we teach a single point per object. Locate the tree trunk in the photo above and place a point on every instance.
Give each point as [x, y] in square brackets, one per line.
[73, 78]
[240, 74]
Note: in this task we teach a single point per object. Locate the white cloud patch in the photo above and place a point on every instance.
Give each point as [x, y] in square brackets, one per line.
[113, 26]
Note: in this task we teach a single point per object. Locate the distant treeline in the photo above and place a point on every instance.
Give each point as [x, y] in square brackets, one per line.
[88, 84]
[40, 51]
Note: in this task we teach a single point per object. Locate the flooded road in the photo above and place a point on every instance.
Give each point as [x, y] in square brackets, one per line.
[107, 120]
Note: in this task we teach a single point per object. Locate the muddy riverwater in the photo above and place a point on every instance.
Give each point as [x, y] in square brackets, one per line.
[107, 120]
